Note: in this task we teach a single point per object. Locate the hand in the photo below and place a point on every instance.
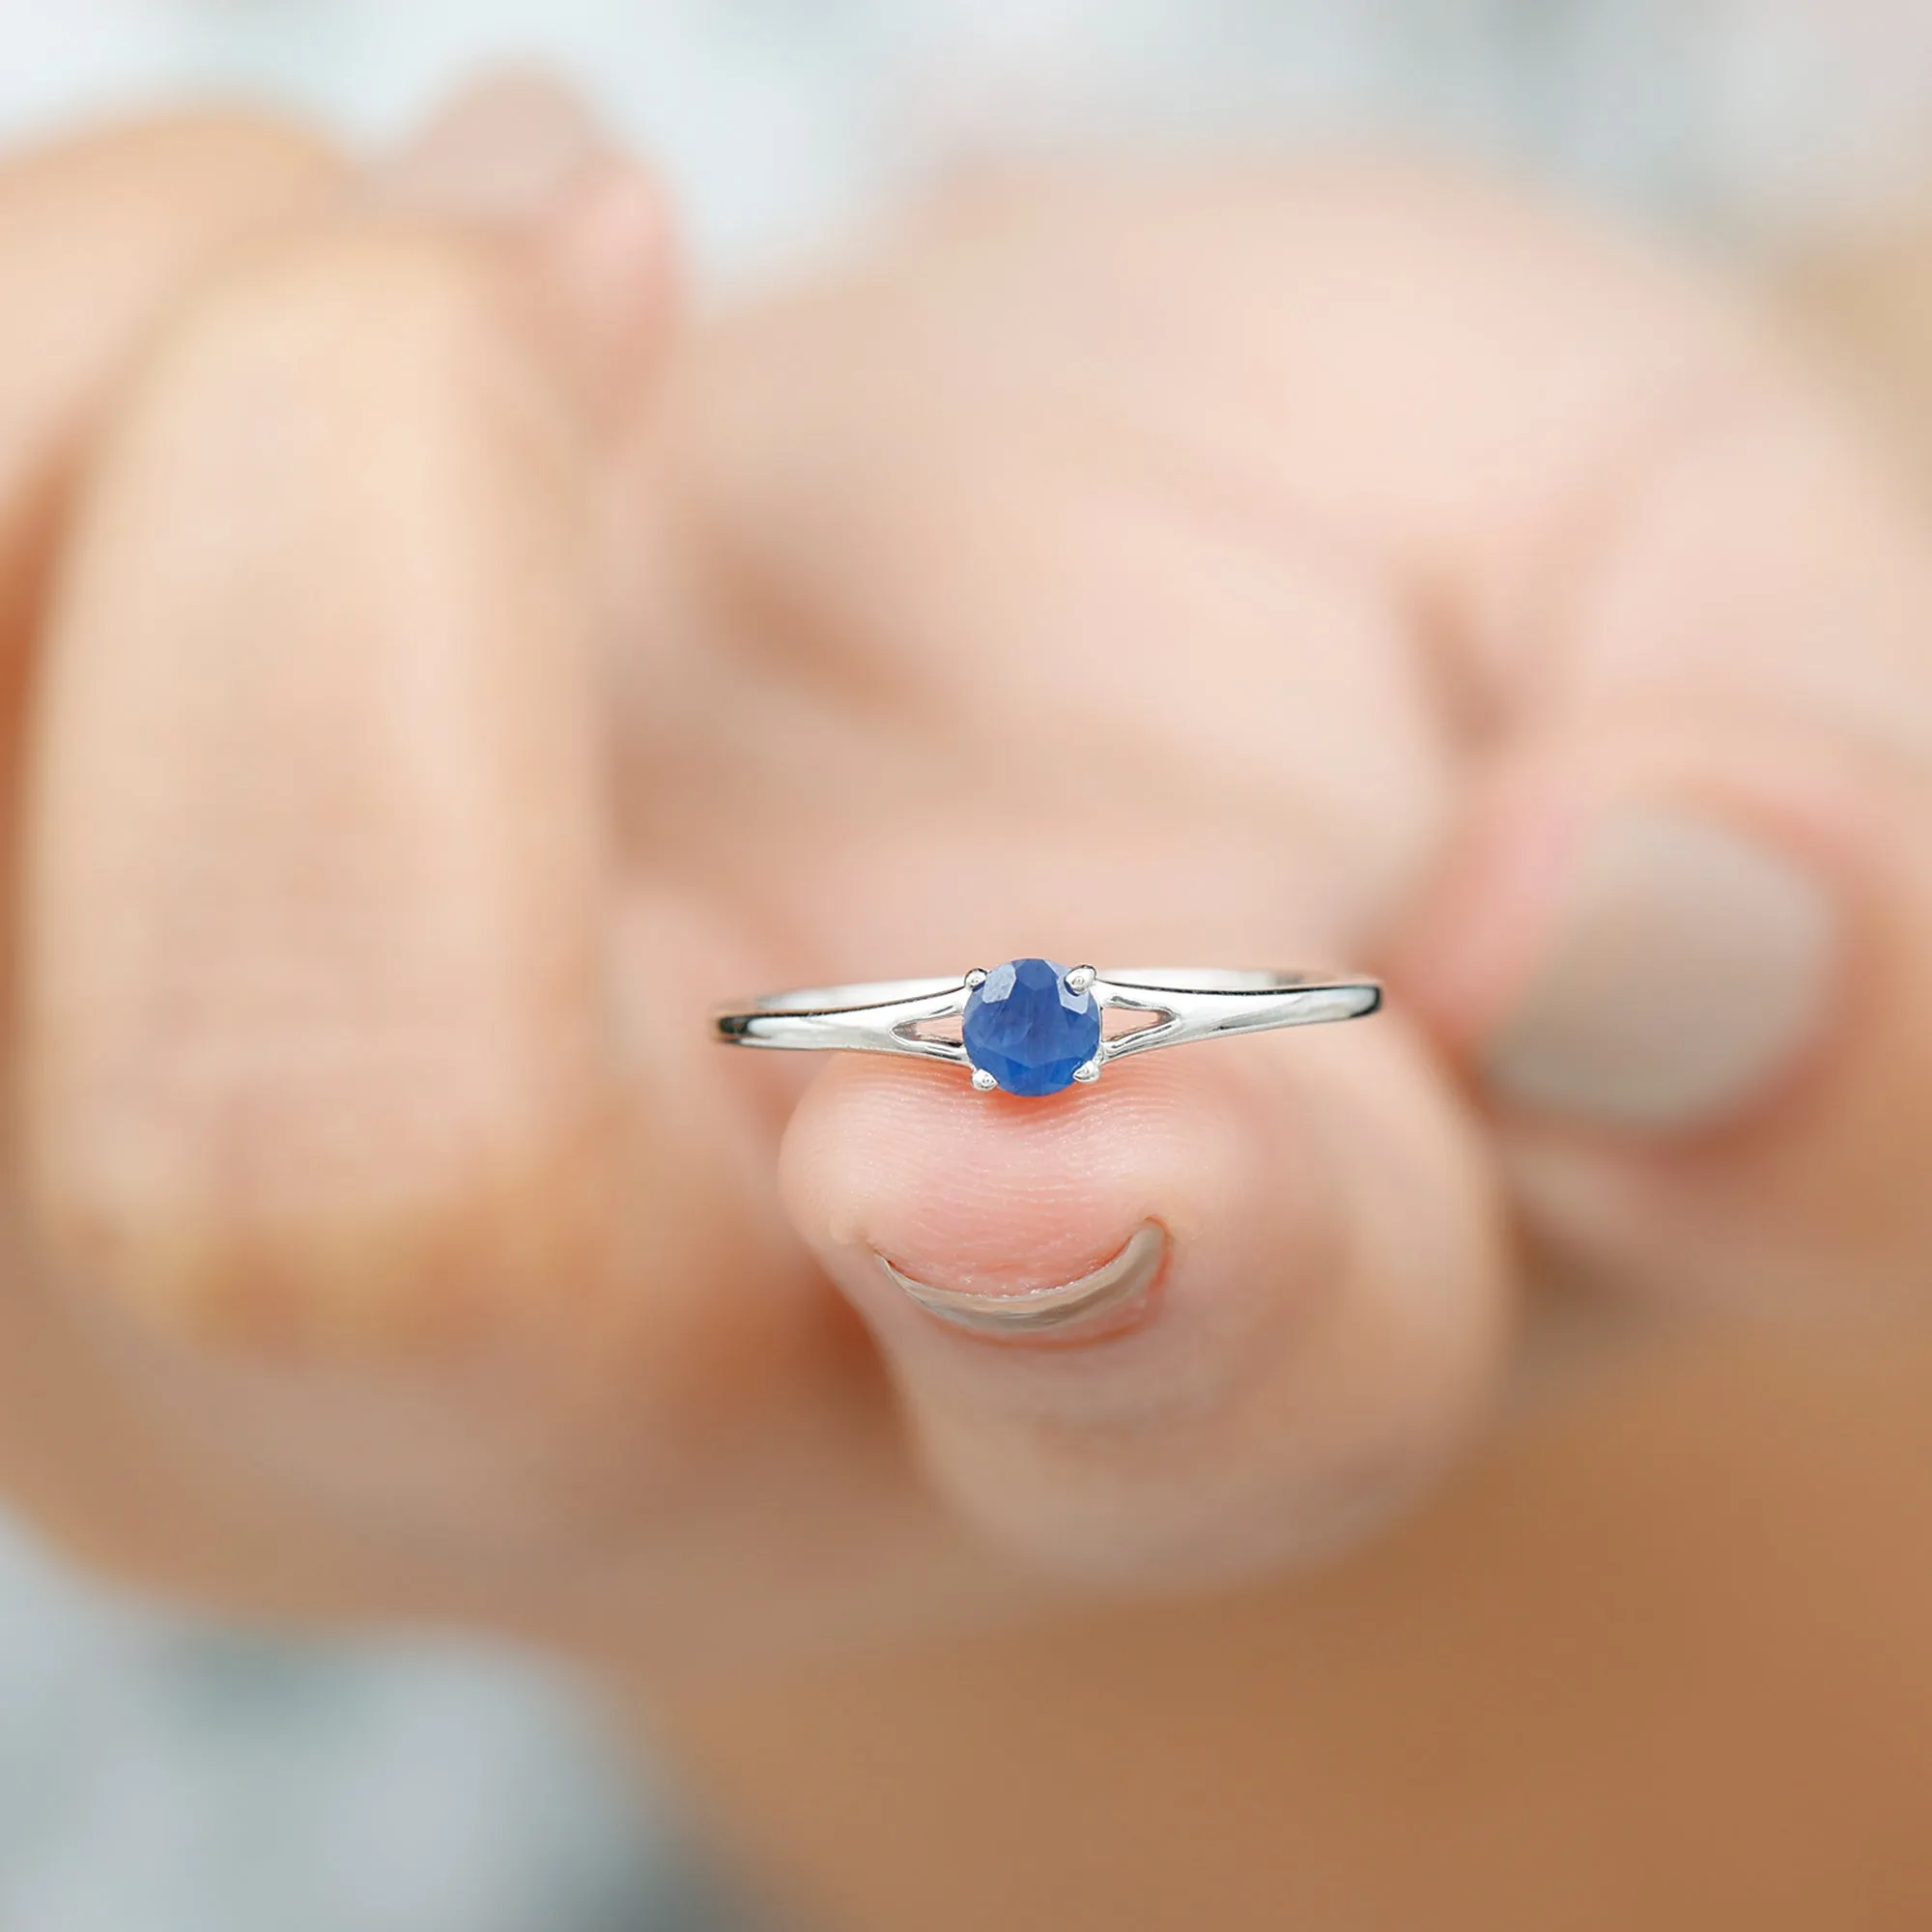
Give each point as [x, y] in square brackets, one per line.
[448, 687]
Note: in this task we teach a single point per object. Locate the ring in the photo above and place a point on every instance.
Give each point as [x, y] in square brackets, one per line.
[1031, 1027]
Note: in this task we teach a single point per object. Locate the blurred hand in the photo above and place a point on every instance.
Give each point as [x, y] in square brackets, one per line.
[442, 680]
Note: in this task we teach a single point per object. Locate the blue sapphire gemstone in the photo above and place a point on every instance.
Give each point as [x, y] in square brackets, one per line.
[1028, 1029]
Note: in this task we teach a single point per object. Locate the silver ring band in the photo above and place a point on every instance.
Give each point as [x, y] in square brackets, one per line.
[1031, 1027]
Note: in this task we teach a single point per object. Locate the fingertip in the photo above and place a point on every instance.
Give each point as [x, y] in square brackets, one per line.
[100, 233]
[1321, 1308]
[1703, 1030]
[520, 156]
[609, 254]
[997, 1195]
[505, 148]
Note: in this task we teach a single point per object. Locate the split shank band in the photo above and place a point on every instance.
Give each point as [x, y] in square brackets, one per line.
[1033, 1027]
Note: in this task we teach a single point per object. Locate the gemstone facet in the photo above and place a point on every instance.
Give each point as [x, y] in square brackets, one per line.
[1026, 1028]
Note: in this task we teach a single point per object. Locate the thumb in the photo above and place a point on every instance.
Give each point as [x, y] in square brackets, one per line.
[1686, 940]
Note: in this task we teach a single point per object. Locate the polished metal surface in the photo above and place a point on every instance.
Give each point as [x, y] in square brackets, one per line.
[1175, 1006]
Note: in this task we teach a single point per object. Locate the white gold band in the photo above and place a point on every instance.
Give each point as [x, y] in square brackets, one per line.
[1170, 1006]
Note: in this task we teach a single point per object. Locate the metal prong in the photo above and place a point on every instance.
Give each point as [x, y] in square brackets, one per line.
[1091, 1072]
[985, 1082]
[976, 978]
[1080, 977]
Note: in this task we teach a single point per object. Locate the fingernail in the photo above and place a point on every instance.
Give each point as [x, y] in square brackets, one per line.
[504, 151]
[1108, 1296]
[1688, 969]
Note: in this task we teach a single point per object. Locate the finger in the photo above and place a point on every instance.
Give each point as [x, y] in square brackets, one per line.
[1686, 939]
[96, 235]
[326, 1084]
[1276, 1353]
[101, 237]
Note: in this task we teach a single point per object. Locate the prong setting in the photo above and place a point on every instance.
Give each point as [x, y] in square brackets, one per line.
[1089, 1071]
[1080, 977]
[984, 1081]
[975, 979]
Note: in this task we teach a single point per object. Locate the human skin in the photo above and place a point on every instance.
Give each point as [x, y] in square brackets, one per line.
[443, 671]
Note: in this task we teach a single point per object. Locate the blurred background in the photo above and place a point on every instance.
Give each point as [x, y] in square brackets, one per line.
[158, 1775]
[781, 120]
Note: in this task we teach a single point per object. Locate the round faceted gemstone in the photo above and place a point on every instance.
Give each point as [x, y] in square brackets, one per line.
[1028, 1029]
